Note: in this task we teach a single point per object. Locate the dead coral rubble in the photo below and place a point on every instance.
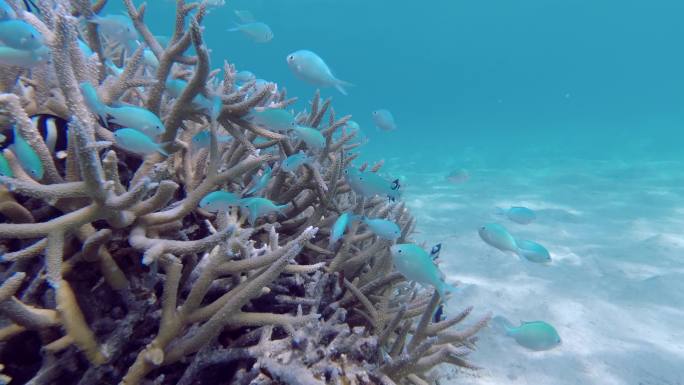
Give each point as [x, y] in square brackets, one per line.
[112, 274]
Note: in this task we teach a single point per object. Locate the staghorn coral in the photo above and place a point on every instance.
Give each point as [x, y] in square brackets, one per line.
[112, 274]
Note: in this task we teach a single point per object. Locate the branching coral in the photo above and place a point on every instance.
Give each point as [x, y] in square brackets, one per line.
[111, 273]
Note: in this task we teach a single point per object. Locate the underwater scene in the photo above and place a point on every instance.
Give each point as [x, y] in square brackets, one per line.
[347, 192]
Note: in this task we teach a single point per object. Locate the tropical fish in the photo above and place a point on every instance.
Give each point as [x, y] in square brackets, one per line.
[458, 176]
[309, 67]
[534, 335]
[518, 214]
[91, 99]
[257, 31]
[203, 138]
[292, 162]
[370, 184]
[85, 48]
[54, 131]
[24, 58]
[260, 182]
[383, 228]
[497, 236]
[175, 88]
[434, 252]
[244, 77]
[150, 59]
[19, 34]
[135, 117]
[340, 226]
[5, 169]
[6, 12]
[217, 201]
[244, 16]
[311, 136]
[119, 28]
[274, 119]
[416, 264]
[384, 120]
[533, 251]
[259, 207]
[27, 156]
[137, 142]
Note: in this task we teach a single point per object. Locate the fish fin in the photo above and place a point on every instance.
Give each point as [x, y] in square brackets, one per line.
[162, 151]
[244, 16]
[341, 84]
[236, 28]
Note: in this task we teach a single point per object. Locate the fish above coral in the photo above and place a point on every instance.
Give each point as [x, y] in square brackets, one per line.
[416, 264]
[533, 335]
[308, 66]
[370, 184]
[384, 120]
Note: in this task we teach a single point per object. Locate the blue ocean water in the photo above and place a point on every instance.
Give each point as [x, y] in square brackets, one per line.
[572, 108]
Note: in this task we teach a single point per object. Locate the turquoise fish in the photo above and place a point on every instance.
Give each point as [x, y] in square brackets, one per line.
[292, 162]
[119, 28]
[260, 182]
[24, 58]
[219, 200]
[416, 264]
[308, 66]
[340, 226]
[259, 207]
[5, 169]
[518, 214]
[19, 34]
[6, 12]
[311, 136]
[203, 138]
[370, 184]
[275, 119]
[383, 228]
[533, 251]
[534, 335]
[27, 156]
[137, 142]
[497, 236]
[384, 120]
[257, 31]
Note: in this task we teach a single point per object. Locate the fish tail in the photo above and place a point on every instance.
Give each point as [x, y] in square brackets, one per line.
[162, 151]
[502, 322]
[237, 28]
[341, 84]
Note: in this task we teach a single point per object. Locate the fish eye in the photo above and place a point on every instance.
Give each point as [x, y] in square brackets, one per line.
[291, 57]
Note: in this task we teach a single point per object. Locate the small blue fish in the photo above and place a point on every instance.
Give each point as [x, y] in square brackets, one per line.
[534, 335]
[518, 214]
[150, 59]
[384, 120]
[260, 182]
[258, 32]
[6, 12]
[383, 228]
[415, 264]
[175, 88]
[259, 207]
[370, 184]
[137, 142]
[5, 169]
[308, 66]
[273, 119]
[533, 251]
[339, 227]
[20, 35]
[311, 136]
[27, 156]
[91, 99]
[203, 138]
[24, 58]
[292, 162]
[119, 28]
[497, 236]
[243, 77]
[217, 201]
[135, 117]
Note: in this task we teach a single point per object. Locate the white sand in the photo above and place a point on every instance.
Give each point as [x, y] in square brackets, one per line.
[614, 290]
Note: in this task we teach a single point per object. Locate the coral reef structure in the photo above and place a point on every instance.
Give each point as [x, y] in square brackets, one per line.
[112, 272]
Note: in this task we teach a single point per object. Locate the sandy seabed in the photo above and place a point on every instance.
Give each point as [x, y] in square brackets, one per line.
[615, 287]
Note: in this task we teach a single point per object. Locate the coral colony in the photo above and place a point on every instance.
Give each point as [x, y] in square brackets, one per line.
[152, 234]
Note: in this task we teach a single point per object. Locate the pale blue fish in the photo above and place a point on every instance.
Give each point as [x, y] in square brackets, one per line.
[308, 66]
[257, 31]
[119, 28]
[497, 236]
[137, 142]
[91, 99]
[383, 228]
[292, 162]
[370, 184]
[311, 136]
[258, 207]
[340, 226]
[217, 201]
[5, 169]
[24, 58]
[244, 77]
[175, 88]
[27, 156]
[260, 182]
[533, 335]
[384, 120]
[20, 35]
[416, 264]
[202, 139]
[275, 119]
[135, 117]
[6, 12]
[533, 251]
[518, 214]
[244, 16]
